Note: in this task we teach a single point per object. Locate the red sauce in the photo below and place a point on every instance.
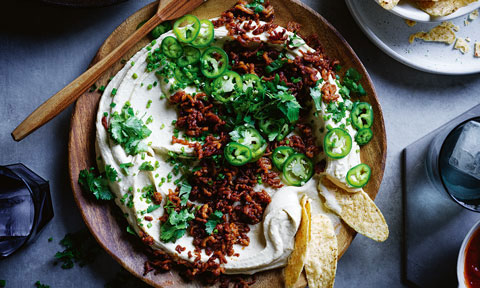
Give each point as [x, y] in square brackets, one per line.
[472, 261]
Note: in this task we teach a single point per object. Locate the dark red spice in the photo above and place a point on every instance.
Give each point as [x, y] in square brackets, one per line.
[105, 122]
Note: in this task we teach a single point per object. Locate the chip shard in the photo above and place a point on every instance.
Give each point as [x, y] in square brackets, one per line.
[462, 45]
[477, 49]
[444, 33]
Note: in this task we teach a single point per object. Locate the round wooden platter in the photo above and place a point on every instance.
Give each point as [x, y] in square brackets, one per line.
[103, 219]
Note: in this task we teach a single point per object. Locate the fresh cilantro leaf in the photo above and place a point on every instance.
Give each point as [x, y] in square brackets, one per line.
[176, 225]
[146, 166]
[39, 285]
[96, 185]
[129, 131]
[256, 5]
[337, 110]
[214, 219]
[131, 231]
[80, 247]
[184, 193]
[152, 208]
[295, 41]
[276, 64]
[124, 167]
[351, 84]
[112, 174]
[316, 96]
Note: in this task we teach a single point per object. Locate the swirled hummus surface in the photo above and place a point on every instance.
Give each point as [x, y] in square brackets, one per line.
[271, 240]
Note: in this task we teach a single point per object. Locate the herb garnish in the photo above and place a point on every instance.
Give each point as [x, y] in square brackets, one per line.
[124, 167]
[112, 174]
[146, 166]
[152, 208]
[129, 131]
[176, 224]
[351, 84]
[97, 185]
[214, 219]
[184, 193]
[38, 285]
[79, 248]
[256, 5]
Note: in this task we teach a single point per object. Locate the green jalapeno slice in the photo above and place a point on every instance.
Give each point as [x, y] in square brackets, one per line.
[363, 136]
[205, 35]
[191, 55]
[250, 137]
[337, 143]
[280, 155]
[171, 48]
[297, 170]
[362, 115]
[225, 86]
[186, 28]
[253, 86]
[359, 175]
[237, 154]
[214, 62]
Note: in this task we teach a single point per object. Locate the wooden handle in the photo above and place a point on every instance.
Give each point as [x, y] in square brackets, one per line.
[58, 102]
[167, 10]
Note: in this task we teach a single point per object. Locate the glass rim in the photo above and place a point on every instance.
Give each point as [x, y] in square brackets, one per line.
[440, 169]
[35, 205]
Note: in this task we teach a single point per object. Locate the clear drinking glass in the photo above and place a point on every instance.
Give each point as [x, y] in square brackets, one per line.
[453, 163]
[25, 207]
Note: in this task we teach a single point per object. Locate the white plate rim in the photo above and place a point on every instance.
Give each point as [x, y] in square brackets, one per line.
[392, 53]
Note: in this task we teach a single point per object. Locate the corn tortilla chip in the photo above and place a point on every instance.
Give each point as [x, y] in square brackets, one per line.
[442, 8]
[356, 209]
[388, 4]
[296, 260]
[322, 255]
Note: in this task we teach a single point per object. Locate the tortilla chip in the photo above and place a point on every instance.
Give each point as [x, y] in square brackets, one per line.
[357, 210]
[444, 32]
[462, 45]
[388, 4]
[297, 259]
[410, 23]
[442, 8]
[477, 49]
[321, 263]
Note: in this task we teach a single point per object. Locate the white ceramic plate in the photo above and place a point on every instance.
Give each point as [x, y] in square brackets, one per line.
[408, 10]
[461, 256]
[390, 33]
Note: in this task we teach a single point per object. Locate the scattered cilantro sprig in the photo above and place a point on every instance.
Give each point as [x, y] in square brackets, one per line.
[214, 219]
[80, 247]
[38, 284]
[97, 185]
[129, 131]
[351, 84]
[176, 224]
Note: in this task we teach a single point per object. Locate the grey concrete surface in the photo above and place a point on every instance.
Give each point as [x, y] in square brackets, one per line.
[53, 45]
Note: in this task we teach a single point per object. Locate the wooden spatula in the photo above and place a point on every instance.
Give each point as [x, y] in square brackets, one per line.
[167, 10]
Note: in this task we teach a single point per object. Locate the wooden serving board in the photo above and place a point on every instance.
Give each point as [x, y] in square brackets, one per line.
[103, 218]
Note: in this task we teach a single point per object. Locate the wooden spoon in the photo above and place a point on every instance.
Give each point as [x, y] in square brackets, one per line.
[167, 10]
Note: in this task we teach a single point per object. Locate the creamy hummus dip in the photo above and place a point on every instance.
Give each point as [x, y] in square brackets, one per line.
[271, 240]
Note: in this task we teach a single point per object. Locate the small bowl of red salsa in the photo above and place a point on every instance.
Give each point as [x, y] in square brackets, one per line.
[468, 264]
